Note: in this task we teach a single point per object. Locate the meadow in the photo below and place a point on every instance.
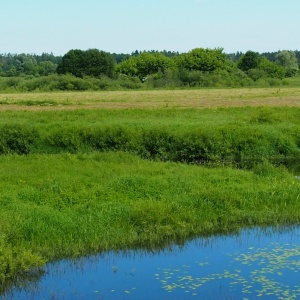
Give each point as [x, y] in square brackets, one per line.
[88, 172]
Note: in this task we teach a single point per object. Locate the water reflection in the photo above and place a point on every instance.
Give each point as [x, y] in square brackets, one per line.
[255, 263]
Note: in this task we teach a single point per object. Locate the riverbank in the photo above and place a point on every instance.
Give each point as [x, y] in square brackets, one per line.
[67, 205]
[88, 180]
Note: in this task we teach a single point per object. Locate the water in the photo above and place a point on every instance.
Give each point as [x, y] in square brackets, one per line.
[256, 264]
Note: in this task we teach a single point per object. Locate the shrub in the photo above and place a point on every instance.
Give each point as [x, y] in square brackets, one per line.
[17, 139]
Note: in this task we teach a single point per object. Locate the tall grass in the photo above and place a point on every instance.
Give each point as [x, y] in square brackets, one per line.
[61, 205]
[230, 135]
[77, 182]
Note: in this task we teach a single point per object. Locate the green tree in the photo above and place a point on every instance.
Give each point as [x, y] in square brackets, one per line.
[267, 69]
[97, 63]
[201, 59]
[287, 59]
[151, 63]
[119, 57]
[25, 64]
[145, 64]
[271, 69]
[128, 67]
[1, 64]
[249, 60]
[72, 63]
[46, 68]
[81, 63]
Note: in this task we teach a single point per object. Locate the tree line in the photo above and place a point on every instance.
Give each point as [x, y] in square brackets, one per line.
[198, 67]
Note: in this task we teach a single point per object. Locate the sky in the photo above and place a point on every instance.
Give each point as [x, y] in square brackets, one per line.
[123, 26]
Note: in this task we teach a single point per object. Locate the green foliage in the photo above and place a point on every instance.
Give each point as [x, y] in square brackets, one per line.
[55, 82]
[205, 60]
[127, 67]
[287, 59]
[17, 264]
[80, 200]
[46, 68]
[145, 64]
[70, 205]
[250, 60]
[271, 69]
[265, 169]
[91, 62]
[28, 64]
[264, 133]
[17, 139]
[165, 69]
[265, 115]
[258, 67]
[167, 79]
[214, 144]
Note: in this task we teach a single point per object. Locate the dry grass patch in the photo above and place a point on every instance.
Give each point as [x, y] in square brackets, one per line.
[201, 98]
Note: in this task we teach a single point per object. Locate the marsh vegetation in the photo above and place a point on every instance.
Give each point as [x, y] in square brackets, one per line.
[255, 263]
[92, 172]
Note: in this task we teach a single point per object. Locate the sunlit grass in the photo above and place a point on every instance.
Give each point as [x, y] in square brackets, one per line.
[190, 135]
[192, 98]
[54, 206]
[80, 185]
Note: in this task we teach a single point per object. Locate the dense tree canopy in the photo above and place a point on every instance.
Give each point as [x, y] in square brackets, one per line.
[94, 69]
[28, 64]
[267, 69]
[145, 64]
[81, 63]
[287, 59]
[249, 60]
[201, 59]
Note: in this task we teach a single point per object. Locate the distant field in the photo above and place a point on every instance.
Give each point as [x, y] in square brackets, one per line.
[201, 98]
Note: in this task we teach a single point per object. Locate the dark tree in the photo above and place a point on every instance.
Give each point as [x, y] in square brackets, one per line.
[250, 60]
[86, 63]
[298, 57]
[234, 56]
[71, 63]
[119, 57]
[270, 55]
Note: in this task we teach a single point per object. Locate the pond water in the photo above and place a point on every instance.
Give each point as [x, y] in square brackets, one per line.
[254, 264]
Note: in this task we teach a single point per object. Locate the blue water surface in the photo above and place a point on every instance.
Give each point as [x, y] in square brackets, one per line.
[255, 264]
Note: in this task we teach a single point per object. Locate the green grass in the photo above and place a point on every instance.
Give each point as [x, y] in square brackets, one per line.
[80, 181]
[294, 81]
[190, 98]
[182, 135]
[53, 206]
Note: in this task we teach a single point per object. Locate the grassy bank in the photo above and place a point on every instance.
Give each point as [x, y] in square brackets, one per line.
[61, 205]
[230, 135]
[94, 171]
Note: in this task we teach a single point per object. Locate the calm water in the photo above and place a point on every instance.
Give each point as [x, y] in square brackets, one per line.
[256, 264]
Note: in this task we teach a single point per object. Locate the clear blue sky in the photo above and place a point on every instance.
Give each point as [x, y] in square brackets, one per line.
[122, 26]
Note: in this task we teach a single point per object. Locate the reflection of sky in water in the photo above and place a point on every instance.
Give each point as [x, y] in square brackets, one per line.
[253, 265]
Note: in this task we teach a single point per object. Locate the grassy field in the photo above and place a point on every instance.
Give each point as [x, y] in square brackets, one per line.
[204, 98]
[88, 172]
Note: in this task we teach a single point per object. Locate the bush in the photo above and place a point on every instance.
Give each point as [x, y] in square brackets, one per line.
[17, 139]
